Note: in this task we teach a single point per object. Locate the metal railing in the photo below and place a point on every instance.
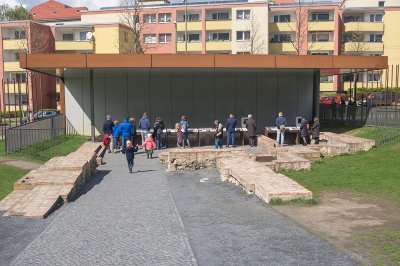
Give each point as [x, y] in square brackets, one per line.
[19, 137]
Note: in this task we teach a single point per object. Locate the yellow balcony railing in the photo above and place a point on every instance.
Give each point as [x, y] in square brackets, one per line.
[15, 44]
[58, 88]
[321, 25]
[12, 107]
[323, 46]
[219, 25]
[282, 26]
[12, 66]
[363, 26]
[191, 26]
[11, 88]
[191, 46]
[74, 46]
[219, 46]
[281, 47]
[363, 47]
[326, 86]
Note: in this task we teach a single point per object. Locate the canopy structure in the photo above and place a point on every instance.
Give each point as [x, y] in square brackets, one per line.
[203, 87]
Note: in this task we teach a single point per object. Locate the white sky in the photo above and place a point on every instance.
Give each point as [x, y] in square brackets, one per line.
[93, 5]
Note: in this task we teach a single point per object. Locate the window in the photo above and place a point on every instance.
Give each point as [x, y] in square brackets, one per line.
[150, 38]
[347, 77]
[149, 18]
[375, 38]
[82, 35]
[194, 37]
[164, 18]
[242, 35]
[20, 34]
[381, 3]
[376, 18]
[326, 79]
[192, 17]
[220, 16]
[278, 38]
[352, 19]
[164, 38]
[222, 36]
[320, 37]
[68, 37]
[374, 77]
[320, 17]
[243, 14]
[281, 18]
[17, 76]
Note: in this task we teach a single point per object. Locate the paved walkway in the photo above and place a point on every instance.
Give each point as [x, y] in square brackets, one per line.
[133, 219]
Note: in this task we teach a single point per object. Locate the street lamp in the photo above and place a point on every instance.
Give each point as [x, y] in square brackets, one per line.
[186, 18]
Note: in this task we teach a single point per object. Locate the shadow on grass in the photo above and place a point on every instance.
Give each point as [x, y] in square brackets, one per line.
[94, 181]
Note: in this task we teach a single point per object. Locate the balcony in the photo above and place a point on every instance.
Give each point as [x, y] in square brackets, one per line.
[74, 46]
[282, 26]
[12, 107]
[15, 44]
[191, 46]
[10, 88]
[321, 46]
[219, 46]
[363, 26]
[191, 26]
[363, 47]
[326, 86]
[281, 47]
[218, 25]
[321, 25]
[12, 66]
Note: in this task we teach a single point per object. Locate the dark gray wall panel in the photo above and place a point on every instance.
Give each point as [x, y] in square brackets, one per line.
[138, 94]
[160, 96]
[305, 82]
[204, 98]
[287, 94]
[246, 93]
[100, 99]
[267, 104]
[224, 94]
[182, 96]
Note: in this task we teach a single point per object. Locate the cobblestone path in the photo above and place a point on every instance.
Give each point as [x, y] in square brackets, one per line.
[135, 219]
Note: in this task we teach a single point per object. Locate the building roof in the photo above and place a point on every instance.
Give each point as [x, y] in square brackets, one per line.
[328, 64]
[52, 10]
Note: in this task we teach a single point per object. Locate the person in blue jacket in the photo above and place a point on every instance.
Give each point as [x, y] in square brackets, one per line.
[230, 130]
[116, 141]
[126, 131]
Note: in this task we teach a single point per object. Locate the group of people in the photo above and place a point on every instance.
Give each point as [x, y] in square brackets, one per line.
[120, 137]
[305, 130]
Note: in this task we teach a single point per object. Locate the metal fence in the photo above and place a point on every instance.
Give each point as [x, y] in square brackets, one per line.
[19, 137]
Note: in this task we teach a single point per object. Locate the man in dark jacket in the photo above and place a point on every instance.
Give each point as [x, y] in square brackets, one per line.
[230, 130]
[304, 130]
[280, 123]
[144, 126]
[315, 130]
[126, 131]
[108, 128]
[251, 130]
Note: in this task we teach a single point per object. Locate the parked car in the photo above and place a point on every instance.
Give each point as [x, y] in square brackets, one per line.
[45, 113]
[328, 100]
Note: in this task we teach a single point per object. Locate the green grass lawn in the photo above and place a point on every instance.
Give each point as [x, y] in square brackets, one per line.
[8, 176]
[44, 151]
[375, 173]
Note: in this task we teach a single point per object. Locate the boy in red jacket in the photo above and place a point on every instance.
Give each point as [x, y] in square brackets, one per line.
[149, 145]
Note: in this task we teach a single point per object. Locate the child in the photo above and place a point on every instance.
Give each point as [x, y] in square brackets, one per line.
[178, 135]
[149, 146]
[115, 142]
[129, 152]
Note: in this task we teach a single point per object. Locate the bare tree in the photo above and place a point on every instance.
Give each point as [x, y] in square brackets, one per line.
[256, 42]
[355, 43]
[131, 16]
[301, 29]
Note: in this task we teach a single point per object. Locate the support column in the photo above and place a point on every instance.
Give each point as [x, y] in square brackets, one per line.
[62, 93]
[91, 85]
[316, 88]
